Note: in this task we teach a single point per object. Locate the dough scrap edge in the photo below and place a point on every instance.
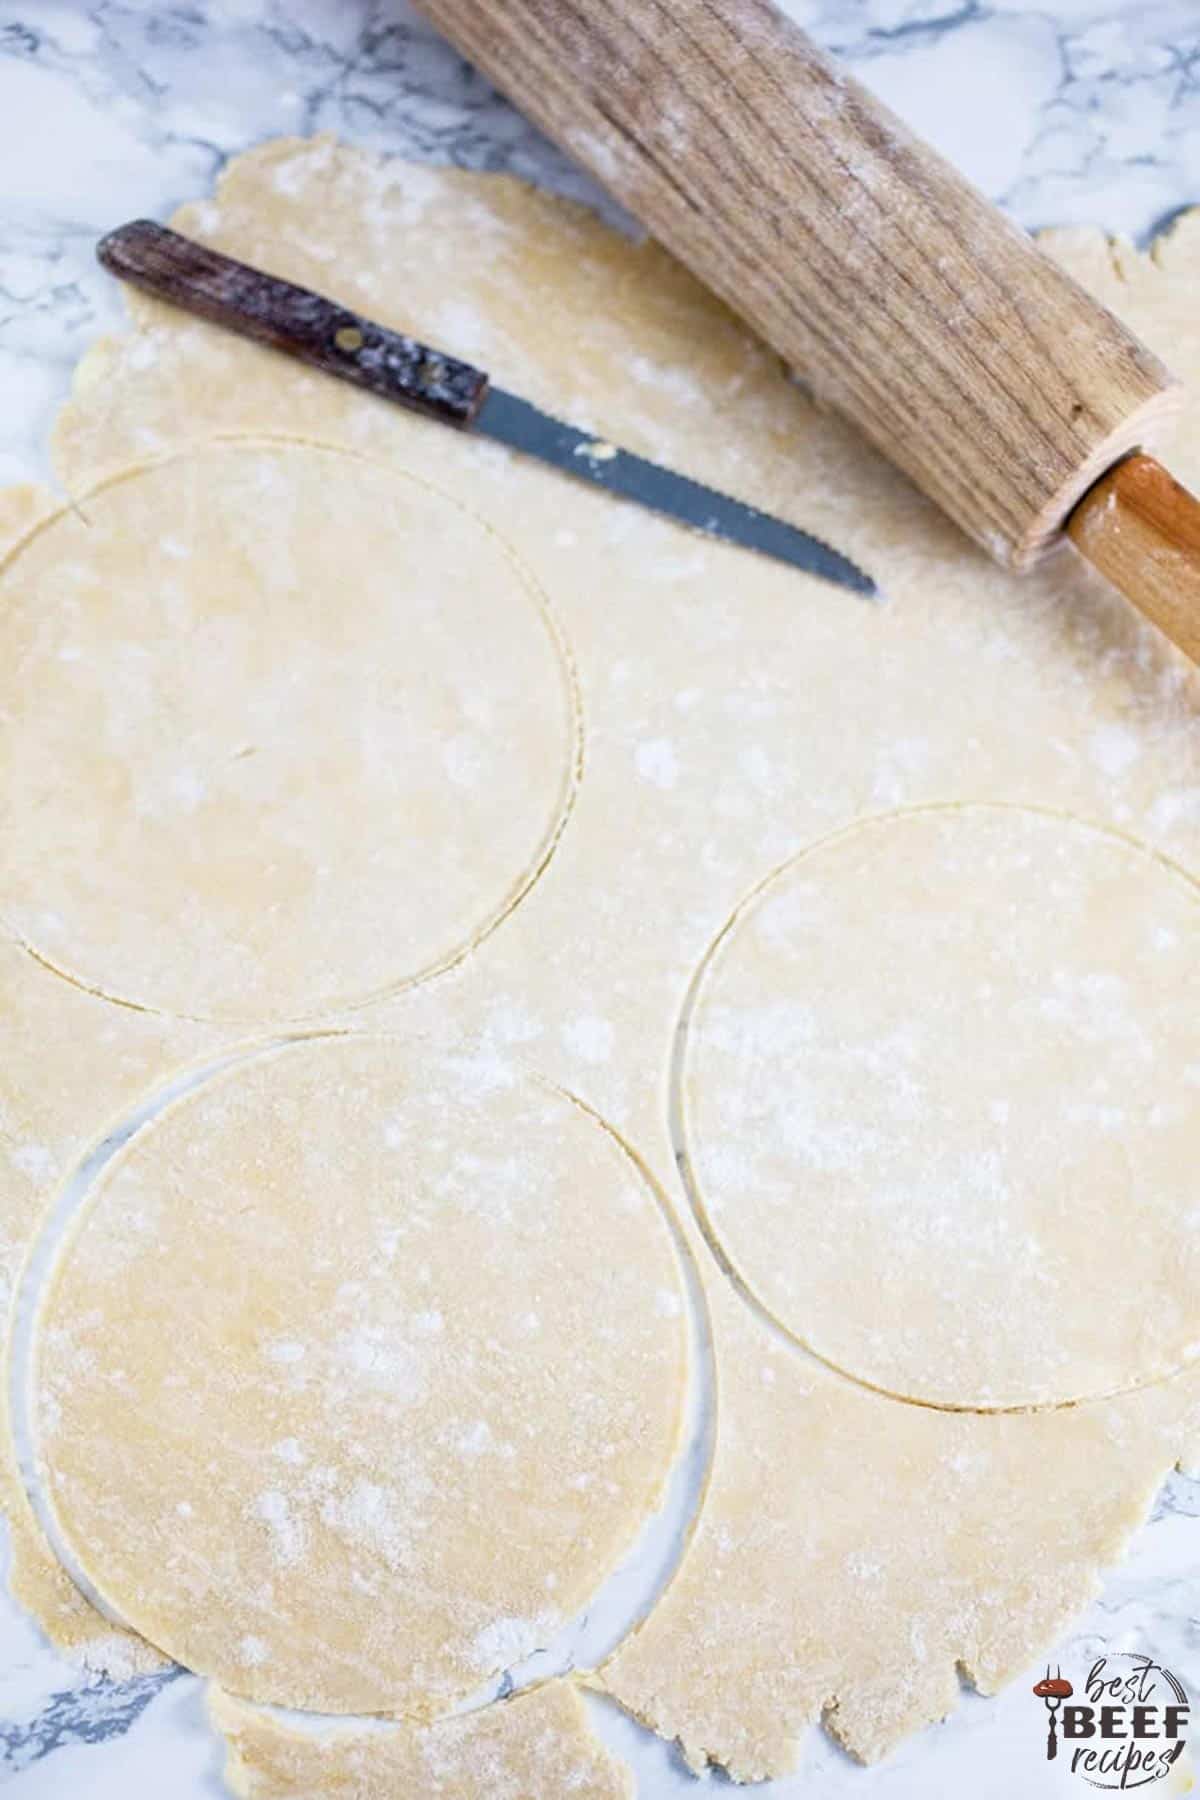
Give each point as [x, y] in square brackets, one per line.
[753, 1740]
[521, 1742]
[847, 1718]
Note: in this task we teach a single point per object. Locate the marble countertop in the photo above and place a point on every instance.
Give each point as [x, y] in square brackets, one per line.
[1065, 111]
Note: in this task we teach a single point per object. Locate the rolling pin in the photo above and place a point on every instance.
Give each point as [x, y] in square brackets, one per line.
[895, 289]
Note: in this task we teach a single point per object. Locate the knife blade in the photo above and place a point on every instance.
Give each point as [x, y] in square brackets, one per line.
[330, 337]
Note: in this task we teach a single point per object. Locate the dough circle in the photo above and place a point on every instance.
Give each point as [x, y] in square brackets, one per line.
[282, 729]
[336, 1402]
[939, 1095]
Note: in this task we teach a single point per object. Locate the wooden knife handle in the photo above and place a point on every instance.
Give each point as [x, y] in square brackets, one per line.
[293, 319]
[1141, 529]
[906, 300]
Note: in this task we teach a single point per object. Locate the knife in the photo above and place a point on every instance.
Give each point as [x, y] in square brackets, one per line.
[330, 337]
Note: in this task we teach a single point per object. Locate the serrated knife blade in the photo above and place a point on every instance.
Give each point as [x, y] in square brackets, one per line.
[330, 337]
[513, 421]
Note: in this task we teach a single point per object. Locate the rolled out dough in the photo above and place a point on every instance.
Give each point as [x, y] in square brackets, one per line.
[282, 729]
[539, 1744]
[940, 1093]
[736, 715]
[359, 1373]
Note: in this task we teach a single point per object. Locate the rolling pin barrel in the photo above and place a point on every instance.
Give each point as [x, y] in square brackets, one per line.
[901, 295]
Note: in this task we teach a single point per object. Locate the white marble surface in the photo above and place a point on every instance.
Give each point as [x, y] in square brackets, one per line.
[1063, 110]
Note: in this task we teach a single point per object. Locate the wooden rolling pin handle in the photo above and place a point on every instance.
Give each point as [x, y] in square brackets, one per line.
[1141, 529]
[906, 300]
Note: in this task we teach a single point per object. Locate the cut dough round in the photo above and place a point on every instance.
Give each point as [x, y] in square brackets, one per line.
[337, 1400]
[940, 1094]
[282, 729]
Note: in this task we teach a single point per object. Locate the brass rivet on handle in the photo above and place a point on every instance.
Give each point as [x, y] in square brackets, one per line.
[349, 337]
